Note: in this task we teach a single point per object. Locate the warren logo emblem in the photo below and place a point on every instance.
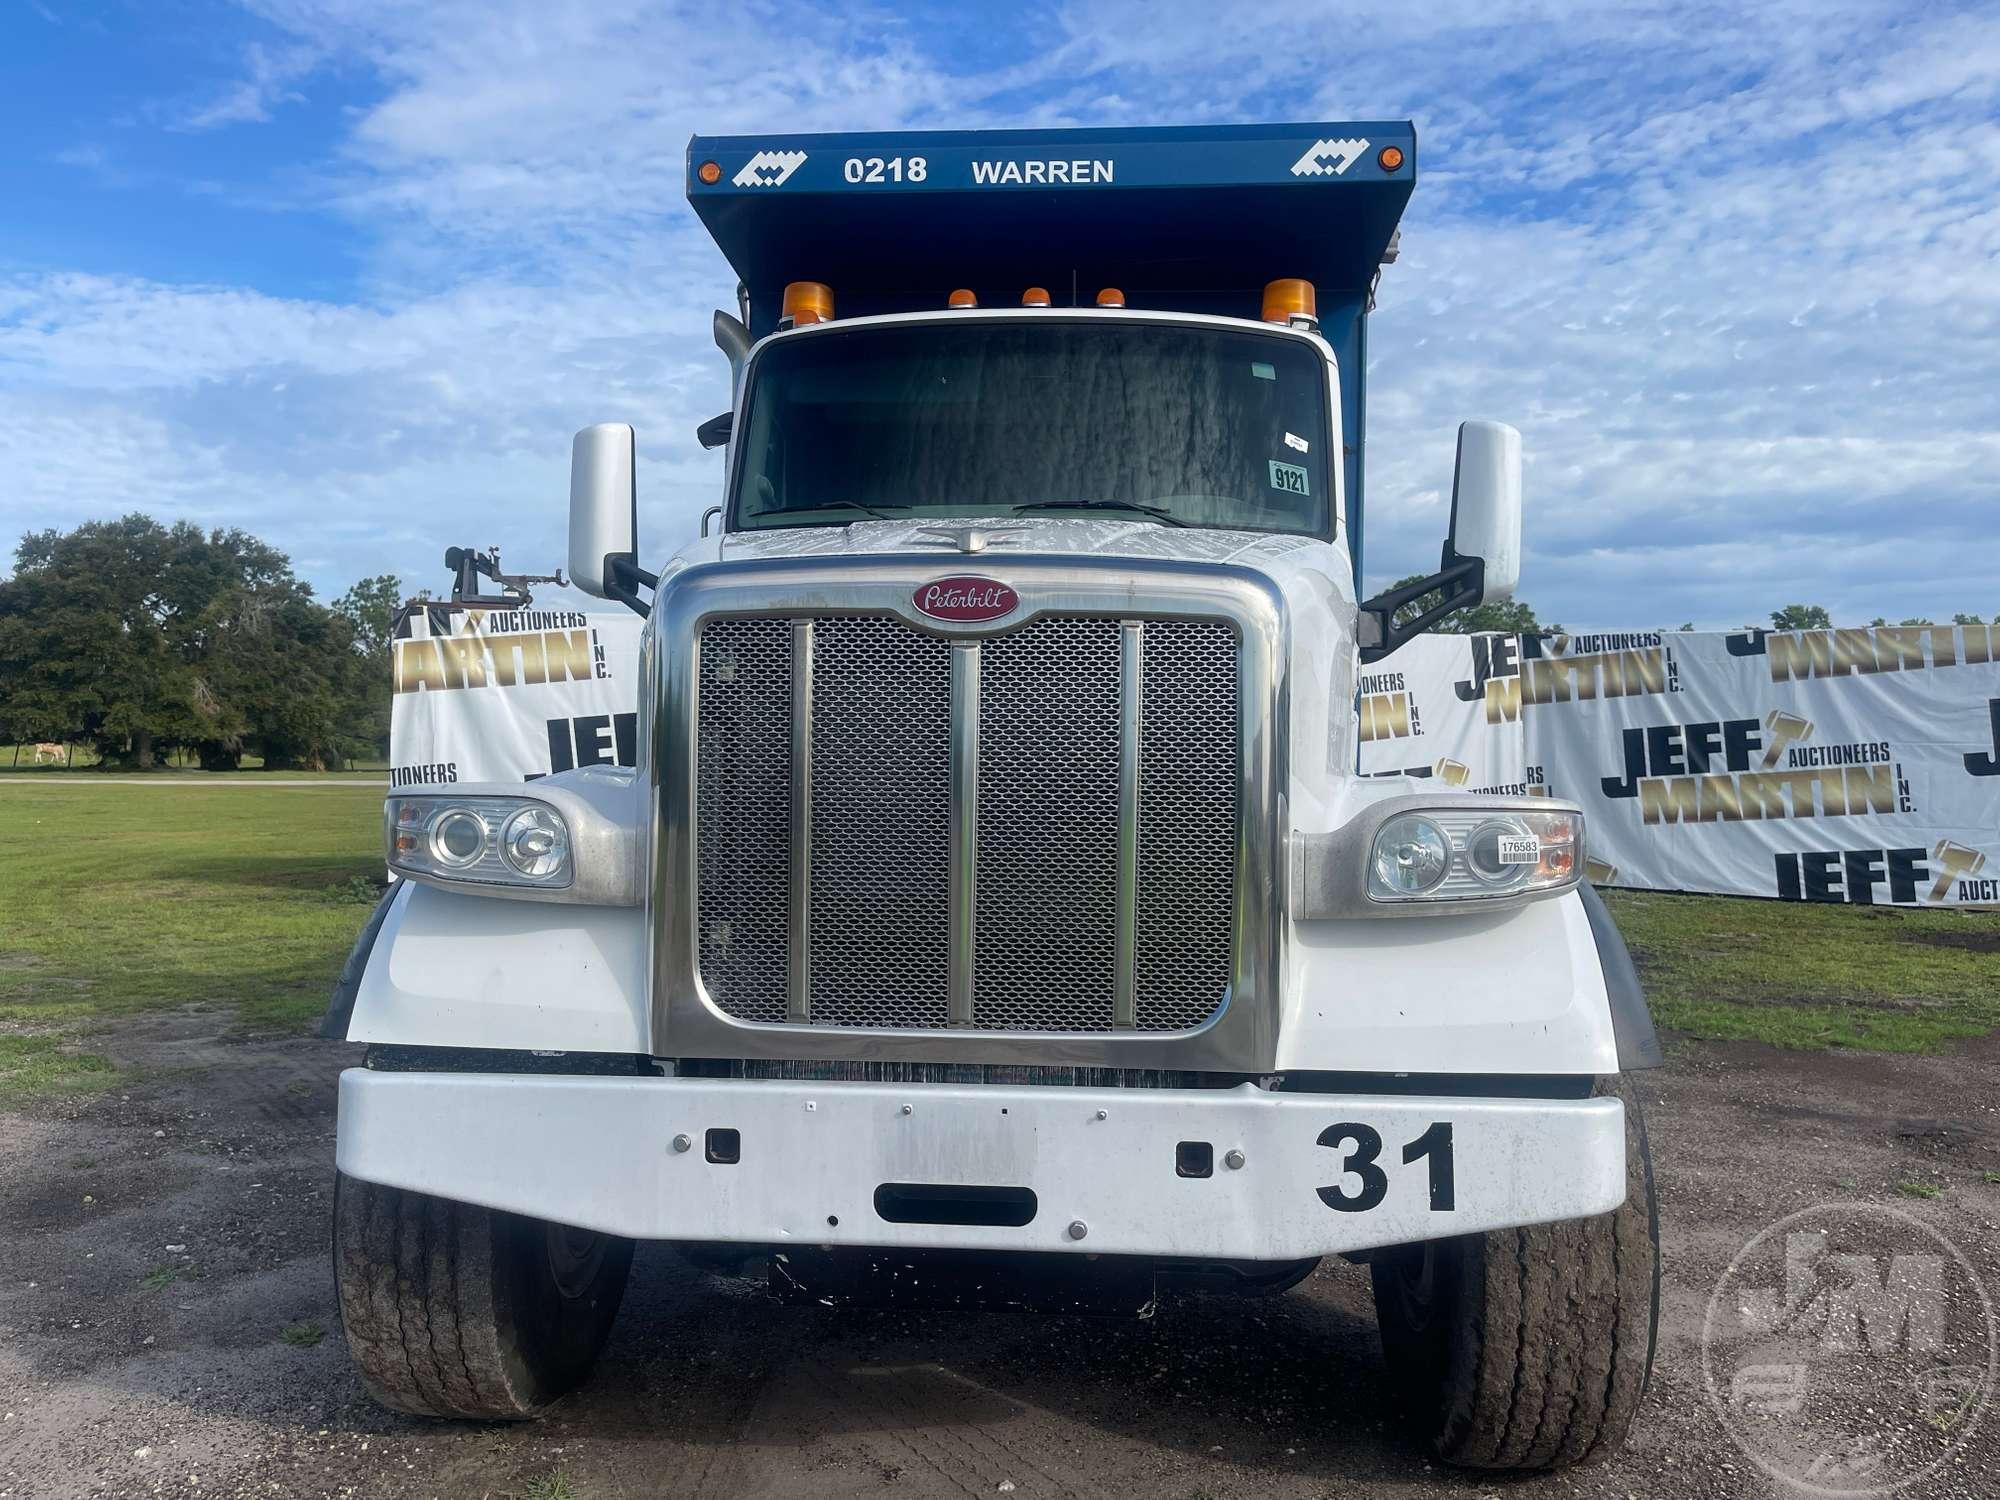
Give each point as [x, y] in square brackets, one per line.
[965, 600]
[769, 168]
[1328, 158]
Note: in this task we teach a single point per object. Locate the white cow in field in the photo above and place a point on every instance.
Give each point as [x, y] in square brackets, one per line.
[46, 751]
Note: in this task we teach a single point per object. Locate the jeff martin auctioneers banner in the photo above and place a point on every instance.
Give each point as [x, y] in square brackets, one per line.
[511, 695]
[1821, 765]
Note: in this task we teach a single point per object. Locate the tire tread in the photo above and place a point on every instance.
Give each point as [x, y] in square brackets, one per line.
[426, 1302]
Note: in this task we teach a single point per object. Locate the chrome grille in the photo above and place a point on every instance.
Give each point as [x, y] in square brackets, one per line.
[1046, 934]
[964, 867]
[1187, 825]
[881, 805]
[743, 795]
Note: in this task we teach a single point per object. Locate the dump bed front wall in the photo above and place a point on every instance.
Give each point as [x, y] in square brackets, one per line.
[1190, 211]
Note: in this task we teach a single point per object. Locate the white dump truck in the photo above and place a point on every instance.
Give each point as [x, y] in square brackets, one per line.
[995, 911]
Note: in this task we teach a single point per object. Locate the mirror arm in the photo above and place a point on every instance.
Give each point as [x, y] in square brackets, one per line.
[623, 580]
[1460, 579]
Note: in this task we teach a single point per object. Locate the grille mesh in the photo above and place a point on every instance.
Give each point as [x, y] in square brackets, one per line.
[743, 794]
[1047, 931]
[881, 840]
[1187, 823]
[1047, 872]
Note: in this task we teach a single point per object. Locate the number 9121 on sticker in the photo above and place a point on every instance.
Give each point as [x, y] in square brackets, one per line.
[1288, 477]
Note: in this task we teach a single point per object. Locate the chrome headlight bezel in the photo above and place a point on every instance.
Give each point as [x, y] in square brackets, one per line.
[590, 820]
[458, 838]
[1336, 875]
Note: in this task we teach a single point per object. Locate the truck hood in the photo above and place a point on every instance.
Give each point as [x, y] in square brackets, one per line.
[1096, 536]
[1314, 577]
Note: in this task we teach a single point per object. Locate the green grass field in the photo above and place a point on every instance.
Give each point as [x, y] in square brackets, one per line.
[1813, 975]
[115, 900]
[122, 899]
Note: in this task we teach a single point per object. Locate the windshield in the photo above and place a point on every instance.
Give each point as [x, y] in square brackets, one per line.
[1180, 424]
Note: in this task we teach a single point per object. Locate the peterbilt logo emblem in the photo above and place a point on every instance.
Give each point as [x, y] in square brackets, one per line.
[963, 600]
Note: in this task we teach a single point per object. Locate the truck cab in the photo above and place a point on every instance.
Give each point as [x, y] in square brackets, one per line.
[995, 903]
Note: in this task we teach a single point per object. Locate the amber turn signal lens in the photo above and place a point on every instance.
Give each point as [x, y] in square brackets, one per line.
[1111, 297]
[1035, 296]
[808, 302]
[709, 172]
[1288, 298]
[962, 298]
[1391, 157]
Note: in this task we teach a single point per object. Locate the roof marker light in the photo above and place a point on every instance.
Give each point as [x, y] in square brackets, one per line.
[709, 172]
[1389, 158]
[1035, 296]
[1111, 297]
[807, 302]
[963, 297]
[1288, 298]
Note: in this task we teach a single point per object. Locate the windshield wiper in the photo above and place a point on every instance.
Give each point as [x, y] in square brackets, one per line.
[880, 515]
[1156, 512]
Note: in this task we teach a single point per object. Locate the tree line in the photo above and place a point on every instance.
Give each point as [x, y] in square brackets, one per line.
[143, 640]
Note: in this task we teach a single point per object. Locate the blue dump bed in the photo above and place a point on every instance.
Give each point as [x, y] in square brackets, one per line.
[1188, 220]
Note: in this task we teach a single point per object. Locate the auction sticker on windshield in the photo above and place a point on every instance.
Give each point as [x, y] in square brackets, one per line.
[1288, 477]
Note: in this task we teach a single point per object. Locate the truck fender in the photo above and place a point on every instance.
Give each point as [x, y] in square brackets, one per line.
[340, 1008]
[1631, 1021]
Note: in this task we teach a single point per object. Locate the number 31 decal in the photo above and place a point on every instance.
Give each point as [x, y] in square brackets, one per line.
[1433, 1146]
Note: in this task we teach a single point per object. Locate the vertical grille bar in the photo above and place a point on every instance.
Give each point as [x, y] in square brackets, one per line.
[798, 1002]
[1131, 708]
[964, 917]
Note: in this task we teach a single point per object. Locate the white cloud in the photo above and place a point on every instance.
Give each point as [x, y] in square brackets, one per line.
[1730, 269]
[270, 78]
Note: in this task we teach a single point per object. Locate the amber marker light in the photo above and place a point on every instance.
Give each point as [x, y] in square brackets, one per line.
[1111, 297]
[1288, 298]
[1035, 296]
[962, 298]
[709, 172]
[807, 302]
[1390, 158]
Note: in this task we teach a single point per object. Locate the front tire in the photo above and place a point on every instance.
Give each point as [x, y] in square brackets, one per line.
[1530, 1348]
[457, 1311]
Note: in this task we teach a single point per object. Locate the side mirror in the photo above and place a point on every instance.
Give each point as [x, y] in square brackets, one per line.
[1482, 552]
[1486, 507]
[604, 515]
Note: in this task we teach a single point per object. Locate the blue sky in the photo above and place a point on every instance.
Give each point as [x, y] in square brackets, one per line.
[348, 274]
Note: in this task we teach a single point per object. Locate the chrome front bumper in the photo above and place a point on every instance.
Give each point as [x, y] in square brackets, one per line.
[1293, 1175]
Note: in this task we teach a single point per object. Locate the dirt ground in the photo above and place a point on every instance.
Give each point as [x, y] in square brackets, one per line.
[156, 1242]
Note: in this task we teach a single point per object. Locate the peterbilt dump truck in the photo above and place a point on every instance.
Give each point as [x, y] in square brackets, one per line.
[995, 911]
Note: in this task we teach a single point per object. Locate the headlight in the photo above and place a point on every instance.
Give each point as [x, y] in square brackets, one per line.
[505, 841]
[1453, 854]
[1412, 856]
